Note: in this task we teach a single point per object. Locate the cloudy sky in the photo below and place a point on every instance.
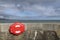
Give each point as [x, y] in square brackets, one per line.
[30, 9]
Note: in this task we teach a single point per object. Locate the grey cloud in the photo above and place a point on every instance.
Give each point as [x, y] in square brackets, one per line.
[39, 7]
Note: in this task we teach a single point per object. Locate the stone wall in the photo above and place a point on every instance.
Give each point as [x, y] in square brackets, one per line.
[4, 28]
[32, 26]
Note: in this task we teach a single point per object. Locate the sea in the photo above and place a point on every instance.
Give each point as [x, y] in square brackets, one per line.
[29, 21]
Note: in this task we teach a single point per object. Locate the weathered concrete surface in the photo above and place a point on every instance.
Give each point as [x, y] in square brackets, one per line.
[4, 27]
